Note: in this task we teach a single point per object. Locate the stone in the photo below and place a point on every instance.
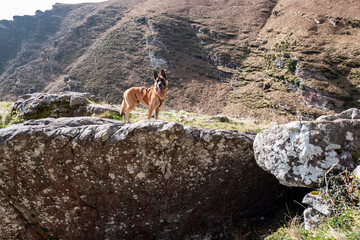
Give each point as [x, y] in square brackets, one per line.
[312, 218]
[318, 203]
[42, 105]
[221, 118]
[92, 178]
[77, 100]
[356, 173]
[299, 153]
[352, 113]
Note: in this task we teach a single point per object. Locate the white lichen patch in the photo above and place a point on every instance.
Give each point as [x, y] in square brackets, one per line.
[140, 175]
[349, 136]
[131, 168]
[111, 175]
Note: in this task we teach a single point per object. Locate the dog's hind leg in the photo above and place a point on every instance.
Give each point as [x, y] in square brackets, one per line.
[122, 108]
[127, 111]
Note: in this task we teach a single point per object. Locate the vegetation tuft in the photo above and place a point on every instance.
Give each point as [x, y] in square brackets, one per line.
[290, 65]
[342, 193]
[6, 117]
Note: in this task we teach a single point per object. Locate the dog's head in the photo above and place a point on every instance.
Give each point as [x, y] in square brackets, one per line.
[160, 81]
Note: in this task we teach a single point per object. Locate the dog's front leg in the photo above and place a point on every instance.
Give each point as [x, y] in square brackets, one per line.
[151, 109]
[157, 113]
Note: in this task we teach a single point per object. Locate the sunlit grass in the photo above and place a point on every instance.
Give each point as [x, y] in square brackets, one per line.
[6, 118]
[204, 121]
[183, 117]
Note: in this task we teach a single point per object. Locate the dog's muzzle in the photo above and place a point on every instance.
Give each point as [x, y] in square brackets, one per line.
[160, 88]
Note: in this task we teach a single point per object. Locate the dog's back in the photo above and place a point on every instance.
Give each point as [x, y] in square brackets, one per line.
[131, 98]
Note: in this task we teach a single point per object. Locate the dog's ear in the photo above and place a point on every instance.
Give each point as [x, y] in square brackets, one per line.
[155, 75]
[163, 73]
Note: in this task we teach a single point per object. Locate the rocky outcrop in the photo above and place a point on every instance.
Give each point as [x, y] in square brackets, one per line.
[311, 96]
[90, 178]
[66, 104]
[315, 98]
[299, 153]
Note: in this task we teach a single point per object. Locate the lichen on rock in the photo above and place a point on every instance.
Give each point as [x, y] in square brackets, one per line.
[299, 153]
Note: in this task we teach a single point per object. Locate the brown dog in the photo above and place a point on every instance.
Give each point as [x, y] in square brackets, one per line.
[153, 98]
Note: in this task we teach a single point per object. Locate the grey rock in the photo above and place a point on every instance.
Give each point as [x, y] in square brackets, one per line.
[356, 173]
[221, 118]
[299, 153]
[280, 63]
[317, 202]
[77, 100]
[312, 218]
[42, 105]
[352, 113]
[92, 178]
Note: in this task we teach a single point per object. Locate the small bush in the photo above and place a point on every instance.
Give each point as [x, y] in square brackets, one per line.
[290, 65]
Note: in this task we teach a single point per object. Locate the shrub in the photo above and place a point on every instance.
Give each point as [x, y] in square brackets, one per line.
[290, 65]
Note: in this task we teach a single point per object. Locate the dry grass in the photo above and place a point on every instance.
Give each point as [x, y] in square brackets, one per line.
[200, 120]
[6, 118]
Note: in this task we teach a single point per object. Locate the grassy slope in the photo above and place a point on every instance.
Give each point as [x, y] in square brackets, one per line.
[304, 30]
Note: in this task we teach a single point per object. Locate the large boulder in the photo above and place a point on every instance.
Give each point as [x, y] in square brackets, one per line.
[90, 178]
[299, 153]
[65, 104]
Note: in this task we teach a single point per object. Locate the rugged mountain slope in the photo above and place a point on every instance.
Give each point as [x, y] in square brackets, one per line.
[275, 60]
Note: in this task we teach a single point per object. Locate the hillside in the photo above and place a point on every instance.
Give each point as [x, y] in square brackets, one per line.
[272, 60]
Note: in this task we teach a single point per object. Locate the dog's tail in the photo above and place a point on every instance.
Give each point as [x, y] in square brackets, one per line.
[122, 108]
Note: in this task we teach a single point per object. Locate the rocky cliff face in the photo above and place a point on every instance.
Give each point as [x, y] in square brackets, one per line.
[90, 178]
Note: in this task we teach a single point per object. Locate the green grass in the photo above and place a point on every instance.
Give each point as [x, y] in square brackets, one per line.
[6, 118]
[345, 226]
[109, 115]
[342, 193]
